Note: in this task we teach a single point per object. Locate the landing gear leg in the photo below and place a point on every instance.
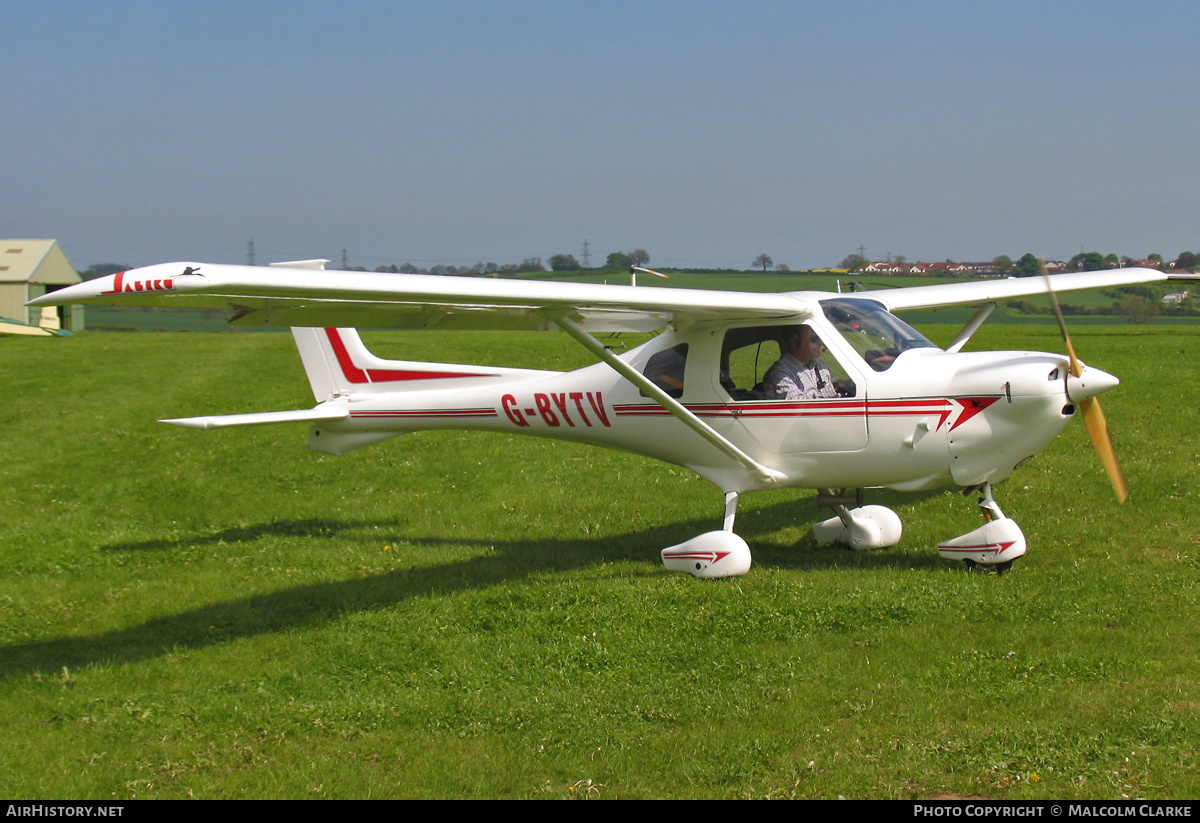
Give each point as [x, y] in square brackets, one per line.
[863, 527]
[731, 501]
[994, 545]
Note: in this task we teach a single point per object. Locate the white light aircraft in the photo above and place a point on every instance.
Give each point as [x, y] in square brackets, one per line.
[902, 413]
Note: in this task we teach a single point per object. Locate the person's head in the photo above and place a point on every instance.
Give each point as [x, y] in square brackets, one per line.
[803, 343]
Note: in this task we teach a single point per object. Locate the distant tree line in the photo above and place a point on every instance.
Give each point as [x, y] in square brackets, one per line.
[480, 269]
[618, 260]
[102, 269]
[1028, 265]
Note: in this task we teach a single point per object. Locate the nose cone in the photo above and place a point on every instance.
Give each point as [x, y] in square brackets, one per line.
[1089, 384]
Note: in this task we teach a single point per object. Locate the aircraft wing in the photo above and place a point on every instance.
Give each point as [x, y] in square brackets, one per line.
[989, 291]
[281, 296]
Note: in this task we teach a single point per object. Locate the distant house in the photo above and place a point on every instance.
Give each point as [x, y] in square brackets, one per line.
[882, 267]
[1146, 264]
[29, 269]
[1177, 297]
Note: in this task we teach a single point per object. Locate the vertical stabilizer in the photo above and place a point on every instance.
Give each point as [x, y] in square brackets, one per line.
[322, 374]
[50, 319]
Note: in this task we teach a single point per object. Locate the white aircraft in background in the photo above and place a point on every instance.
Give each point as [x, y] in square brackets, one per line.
[904, 414]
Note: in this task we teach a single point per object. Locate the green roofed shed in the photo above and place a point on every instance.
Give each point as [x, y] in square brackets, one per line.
[29, 269]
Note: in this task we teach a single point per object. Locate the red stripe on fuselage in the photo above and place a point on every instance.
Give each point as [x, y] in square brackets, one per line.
[354, 374]
[971, 406]
[943, 408]
[426, 413]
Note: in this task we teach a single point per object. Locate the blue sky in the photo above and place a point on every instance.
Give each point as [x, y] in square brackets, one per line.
[705, 132]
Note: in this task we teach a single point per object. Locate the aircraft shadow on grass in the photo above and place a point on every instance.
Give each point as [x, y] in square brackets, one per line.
[317, 603]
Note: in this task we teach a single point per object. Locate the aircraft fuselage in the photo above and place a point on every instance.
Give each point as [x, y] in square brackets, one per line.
[932, 418]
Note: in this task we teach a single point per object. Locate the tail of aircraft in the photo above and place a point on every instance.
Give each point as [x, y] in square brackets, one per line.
[49, 319]
[337, 363]
[48, 325]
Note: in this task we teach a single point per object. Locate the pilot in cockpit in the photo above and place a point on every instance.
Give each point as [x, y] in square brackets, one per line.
[799, 374]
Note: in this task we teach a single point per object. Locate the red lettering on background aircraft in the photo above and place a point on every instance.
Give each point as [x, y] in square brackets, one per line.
[543, 406]
[118, 279]
[121, 287]
[513, 410]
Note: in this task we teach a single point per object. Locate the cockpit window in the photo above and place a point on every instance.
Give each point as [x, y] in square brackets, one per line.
[874, 332]
[747, 355]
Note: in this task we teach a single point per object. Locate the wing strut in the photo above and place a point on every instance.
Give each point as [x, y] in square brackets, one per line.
[985, 311]
[669, 403]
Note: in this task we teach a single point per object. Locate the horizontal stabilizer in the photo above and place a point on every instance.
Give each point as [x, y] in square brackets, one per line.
[261, 419]
[13, 327]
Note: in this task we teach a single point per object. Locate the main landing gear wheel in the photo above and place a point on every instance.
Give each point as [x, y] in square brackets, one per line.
[864, 527]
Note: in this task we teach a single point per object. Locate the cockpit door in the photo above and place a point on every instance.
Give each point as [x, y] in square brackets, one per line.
[783, 425]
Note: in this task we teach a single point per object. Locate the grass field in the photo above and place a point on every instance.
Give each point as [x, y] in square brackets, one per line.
[226, 614]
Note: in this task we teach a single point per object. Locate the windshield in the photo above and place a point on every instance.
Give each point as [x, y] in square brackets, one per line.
[874, 332]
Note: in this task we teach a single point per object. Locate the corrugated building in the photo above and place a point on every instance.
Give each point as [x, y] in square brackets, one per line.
[29, 269]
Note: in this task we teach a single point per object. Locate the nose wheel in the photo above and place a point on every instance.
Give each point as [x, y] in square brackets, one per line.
[999, 568]
[994, 545]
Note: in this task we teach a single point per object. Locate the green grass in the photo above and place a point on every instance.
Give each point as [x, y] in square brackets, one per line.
[226, 614]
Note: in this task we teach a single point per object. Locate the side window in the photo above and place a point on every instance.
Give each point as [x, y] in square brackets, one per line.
[748, 354]
[665, 370]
